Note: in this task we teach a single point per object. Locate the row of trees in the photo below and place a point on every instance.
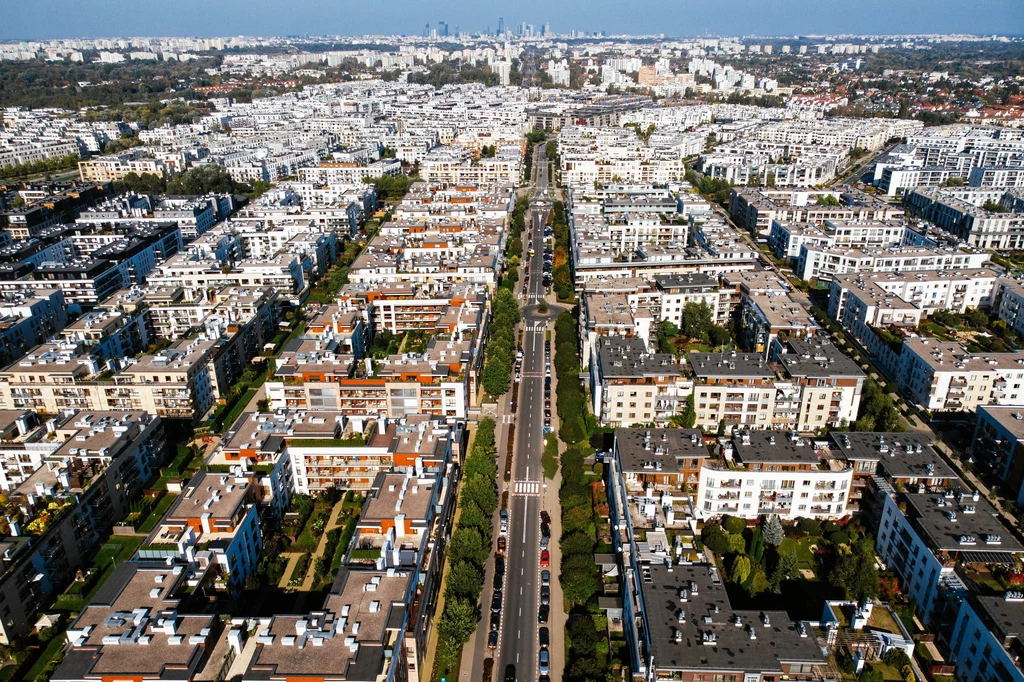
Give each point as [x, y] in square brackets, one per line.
[500, 350]
[713, 189]
[533, 138]
[561, 274]
[570, 400]
[470, 546]
[579, 577]
[391, 187]
[51, 165]
[199, 180]
[877, 410]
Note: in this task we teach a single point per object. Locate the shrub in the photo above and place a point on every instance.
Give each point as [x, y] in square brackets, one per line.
[733, 524]
[810, 526]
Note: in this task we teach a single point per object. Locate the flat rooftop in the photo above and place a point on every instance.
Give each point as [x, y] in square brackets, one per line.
[643, 450]
[773, 446]
[901, 455]
[731, 365]
[743, 640]
[345, 640]
[946, 520]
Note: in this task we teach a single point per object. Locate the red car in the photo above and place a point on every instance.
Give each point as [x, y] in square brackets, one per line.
[545, 559]
[545, 517]
[501, 544]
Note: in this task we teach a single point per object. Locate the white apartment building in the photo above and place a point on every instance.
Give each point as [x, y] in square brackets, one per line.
[944, 376]
[822, 262]
[773, 473]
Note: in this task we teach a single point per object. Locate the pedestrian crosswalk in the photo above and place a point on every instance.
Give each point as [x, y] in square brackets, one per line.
[526, 488]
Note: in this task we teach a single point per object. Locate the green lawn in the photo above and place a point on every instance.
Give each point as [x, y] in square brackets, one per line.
[549, 460]
[805, 557]
[51, 650]
[159, 509]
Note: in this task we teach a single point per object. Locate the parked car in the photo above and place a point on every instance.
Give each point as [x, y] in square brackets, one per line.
[545, 517]
[496, 602]
[545, 638]
[495, 620]
[492, 640]
[545, 558]
[501, 544]
[545, 529]
[545, 577]
[499, 565]
[544, 539]
[542, 613]
[545, 663]
[545, 594]
[497, 582]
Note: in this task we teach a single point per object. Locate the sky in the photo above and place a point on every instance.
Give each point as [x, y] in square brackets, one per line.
[41, 19]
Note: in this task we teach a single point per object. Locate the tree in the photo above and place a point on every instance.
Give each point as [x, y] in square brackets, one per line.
[697, 320]
[464, 582]
[458, 622]
[854, 571]
[736, 543]
[480, 491]
[467, 545]
[827, 200]
[872, 674]
[756, 550]
[759, 583]
[689, 416]
[580, 580]
[733, 524]
[810, 526]
[583, 634]
[784, 570]
[773, 531]
[740, 569]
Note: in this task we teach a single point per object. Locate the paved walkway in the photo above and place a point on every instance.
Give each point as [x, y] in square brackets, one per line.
[293, 557]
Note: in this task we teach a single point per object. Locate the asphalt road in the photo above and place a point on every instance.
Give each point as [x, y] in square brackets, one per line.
[518, 643]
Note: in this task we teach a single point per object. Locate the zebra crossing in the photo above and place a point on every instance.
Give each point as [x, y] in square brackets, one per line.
[539, 327]
[526, 488]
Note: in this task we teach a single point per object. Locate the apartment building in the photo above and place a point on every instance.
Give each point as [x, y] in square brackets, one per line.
[133, 627]
[27, 318]
[764, 318]
[985, 640]
[786, 239]
[359, 634]
[98, 464]
[681, 625]
[944, 376]
[884, 461]
[633, 386]
[828, 382]
[960, 210]
[754, 209]
[764, 472]
[824, 263]
[1010, 298]
[926, 538]
[116, 166]
[605, 315]
[737, 389]
[214, 523]
[656, 465]
[998, 445]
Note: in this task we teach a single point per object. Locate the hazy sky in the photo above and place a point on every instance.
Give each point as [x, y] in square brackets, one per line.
[34, 19]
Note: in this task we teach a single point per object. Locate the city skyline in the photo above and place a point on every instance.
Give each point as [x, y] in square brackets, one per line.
[48, 19]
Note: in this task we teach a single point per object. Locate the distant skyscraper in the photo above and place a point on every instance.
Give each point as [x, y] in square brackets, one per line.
[501, 26]
[426, 31]
[547, 29]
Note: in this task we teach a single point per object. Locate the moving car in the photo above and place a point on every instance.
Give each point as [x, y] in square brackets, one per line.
[510, 673]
